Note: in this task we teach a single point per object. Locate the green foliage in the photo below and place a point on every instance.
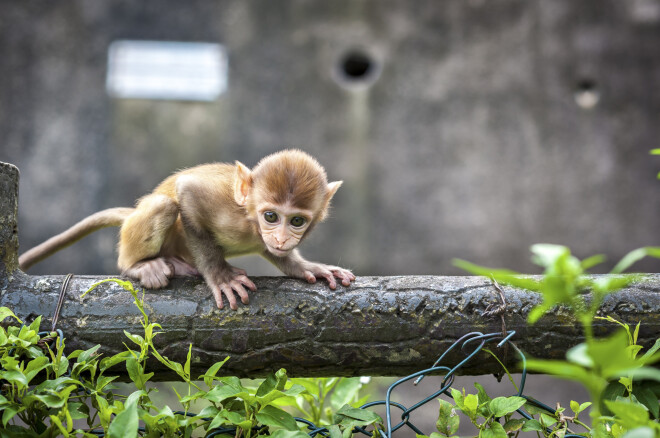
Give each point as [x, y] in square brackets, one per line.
[625, 390]
[325, 396]
[46, 393]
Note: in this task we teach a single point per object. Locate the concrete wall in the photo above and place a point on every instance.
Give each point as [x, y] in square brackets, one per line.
[481, 128]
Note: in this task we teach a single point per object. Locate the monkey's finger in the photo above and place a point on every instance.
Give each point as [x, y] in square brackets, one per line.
[330, 277]
[245, 280]
[310, 277]
[229, 293]
[240, 290]
[238, 271]
[345, 276]
[155, 280]
[217, 294]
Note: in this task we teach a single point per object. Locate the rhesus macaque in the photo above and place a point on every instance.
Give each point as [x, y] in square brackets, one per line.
[199, 217]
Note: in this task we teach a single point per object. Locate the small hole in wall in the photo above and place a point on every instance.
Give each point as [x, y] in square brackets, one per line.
[586, 94]
[356, 68]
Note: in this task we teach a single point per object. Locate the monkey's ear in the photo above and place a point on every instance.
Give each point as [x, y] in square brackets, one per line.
[332, 189]
[242, 184]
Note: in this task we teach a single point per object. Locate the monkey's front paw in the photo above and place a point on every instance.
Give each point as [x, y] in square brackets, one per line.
[152, 274]
[229, 283]
[312, 271]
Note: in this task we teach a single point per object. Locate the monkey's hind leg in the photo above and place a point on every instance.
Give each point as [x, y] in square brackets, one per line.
[141, 239]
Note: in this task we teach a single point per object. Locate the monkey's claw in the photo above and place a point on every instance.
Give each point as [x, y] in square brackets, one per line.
[330, 273]
[237, 284]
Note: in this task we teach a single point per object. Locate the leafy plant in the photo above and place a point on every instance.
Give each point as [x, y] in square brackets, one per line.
[619, 381]
[52, 394]
[325, 396]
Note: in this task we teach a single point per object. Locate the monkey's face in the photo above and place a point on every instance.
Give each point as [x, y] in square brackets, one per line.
[282, 227]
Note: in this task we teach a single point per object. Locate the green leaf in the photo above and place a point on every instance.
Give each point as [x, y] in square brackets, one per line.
[532, 425]
[16, 377]
[584, 406]
[503, 276]
[276, 417]
[362, 415]
[220, 393]
[137, 339]
[646, 397]
[78, 411]
[186, 366]
[448, 419]
[579, 355]
[334, 430]
[104, 381]
[651, 351]
[592, 261]
[501, 406]
[545, 254]
[291, 434]
[631, 414]
[212, 371]
[634, 256]
[471, 403]
[86, 355]
[640, 432]
[9, 412]
[609, 354]
[458, 397]
[125, 424]
[34, 366]
[55, 420]
[5, 312]
[345, 392]
[569, 371]
[277, 394]
[547, 420]
[494, 431]
[54, 399]
[514, 424]
[136, 373]
[36, 324]
[481, 393]
[118, 358]
[274, 381]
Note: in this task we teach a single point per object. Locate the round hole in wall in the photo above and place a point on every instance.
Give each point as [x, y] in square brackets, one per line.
[356, 68]
[586, 94]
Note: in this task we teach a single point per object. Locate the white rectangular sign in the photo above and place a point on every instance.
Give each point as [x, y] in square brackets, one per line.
[166, 70]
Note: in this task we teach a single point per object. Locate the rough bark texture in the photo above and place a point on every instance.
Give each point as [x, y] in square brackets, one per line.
[378, 326]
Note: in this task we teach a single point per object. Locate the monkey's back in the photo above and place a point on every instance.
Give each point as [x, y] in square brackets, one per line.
[219, 177]
[215, 203]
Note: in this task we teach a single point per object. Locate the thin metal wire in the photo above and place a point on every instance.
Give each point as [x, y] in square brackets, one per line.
[60, 300]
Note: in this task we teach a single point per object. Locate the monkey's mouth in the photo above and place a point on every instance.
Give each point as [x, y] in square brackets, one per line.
[278, 252]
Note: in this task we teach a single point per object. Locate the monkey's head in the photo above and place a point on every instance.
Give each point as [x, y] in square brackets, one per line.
[286, 193]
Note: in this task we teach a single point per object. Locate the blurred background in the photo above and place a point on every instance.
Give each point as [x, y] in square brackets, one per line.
[461, 128]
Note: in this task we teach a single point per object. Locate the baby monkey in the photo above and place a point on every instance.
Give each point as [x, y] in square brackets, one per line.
[199, 217]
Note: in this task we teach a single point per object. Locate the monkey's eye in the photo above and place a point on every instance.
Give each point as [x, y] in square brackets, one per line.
[270, 217]
[298, 221]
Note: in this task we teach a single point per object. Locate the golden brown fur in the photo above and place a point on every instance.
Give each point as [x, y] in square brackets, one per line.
[197, 218]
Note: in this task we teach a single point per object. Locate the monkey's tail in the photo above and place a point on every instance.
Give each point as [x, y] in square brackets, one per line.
[111, 217]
